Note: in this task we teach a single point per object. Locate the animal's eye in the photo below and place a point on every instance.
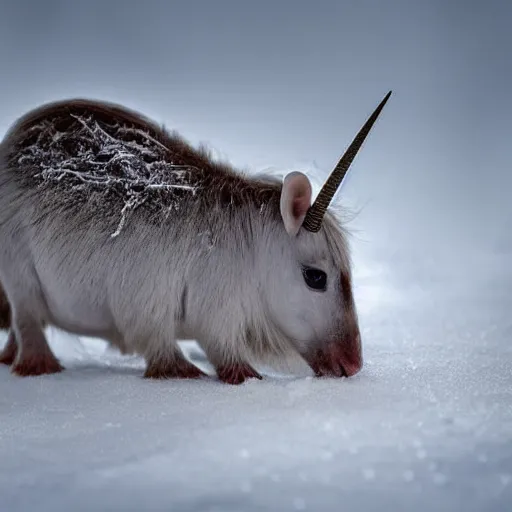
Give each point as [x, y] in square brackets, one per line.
[315, 278]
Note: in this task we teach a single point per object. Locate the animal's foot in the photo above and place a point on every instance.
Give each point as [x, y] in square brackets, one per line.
[237, 373]
[176, 368]
[32, 364]
[8, 354]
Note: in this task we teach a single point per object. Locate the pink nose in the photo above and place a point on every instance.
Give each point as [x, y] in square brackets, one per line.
[352, 368]
[338, 358]
[350, 356]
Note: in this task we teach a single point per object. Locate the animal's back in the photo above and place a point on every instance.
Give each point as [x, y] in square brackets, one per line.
[83, 153]
[71, 173]
[100, 209]
[82, 150]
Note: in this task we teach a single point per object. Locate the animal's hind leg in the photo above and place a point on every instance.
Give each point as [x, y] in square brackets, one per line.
[27, 310]
[34, 356]
[8, 354]
[168, 362]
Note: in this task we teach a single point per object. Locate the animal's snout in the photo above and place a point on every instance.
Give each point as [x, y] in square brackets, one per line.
[341, 358]
[348, 354]
[351, 359]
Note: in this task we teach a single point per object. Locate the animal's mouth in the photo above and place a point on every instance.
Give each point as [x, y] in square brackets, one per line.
[322, 369]
[336, 359]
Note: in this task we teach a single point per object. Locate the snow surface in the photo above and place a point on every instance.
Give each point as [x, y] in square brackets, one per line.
[427, 425]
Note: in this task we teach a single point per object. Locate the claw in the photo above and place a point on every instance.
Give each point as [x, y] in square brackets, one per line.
[30, 365]
[176, 368]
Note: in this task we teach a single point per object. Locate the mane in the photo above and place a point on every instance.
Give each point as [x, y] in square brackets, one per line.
[91, 149]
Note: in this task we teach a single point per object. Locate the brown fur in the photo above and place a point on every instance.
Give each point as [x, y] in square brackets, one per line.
[227, 184]
[36, 363]
[237, 373]
[177, 368]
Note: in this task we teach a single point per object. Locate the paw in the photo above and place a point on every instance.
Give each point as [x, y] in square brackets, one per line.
[237, 373]
[178, 368]
[37, 364]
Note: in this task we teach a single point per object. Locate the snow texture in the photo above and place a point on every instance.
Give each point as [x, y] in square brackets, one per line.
[427, 425]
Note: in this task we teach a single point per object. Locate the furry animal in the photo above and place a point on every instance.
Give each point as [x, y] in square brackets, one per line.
[113, 227]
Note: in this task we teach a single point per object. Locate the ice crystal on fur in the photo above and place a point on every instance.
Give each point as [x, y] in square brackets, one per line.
[90, 157]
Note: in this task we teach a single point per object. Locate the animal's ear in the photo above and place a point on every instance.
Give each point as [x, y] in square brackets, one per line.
[295, 201]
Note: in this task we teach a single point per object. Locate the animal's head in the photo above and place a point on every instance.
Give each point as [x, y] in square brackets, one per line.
[309, 280]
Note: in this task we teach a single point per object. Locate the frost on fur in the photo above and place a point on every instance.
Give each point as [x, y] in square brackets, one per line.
[107, 160]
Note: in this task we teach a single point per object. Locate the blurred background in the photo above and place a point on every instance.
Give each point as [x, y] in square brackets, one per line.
[286, 85]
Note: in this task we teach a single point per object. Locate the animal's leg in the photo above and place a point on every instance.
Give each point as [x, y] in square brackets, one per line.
[8, 354]
[230, 369]
[236, 372]
[27, 342]
[169, 363]
[34, 355]
[27, 305]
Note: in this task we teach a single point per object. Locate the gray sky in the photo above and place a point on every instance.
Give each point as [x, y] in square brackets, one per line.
[289, 83]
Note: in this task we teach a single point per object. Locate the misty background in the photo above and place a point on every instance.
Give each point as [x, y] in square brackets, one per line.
[287, 85]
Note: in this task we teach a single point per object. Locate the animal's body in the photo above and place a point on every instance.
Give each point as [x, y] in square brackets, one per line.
[112, 227]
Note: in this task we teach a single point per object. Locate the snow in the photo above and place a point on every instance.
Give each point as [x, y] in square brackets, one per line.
[427, 425]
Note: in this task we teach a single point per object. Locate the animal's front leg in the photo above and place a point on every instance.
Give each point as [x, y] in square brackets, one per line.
[228, 358]
[170, 364]
[236, 372]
